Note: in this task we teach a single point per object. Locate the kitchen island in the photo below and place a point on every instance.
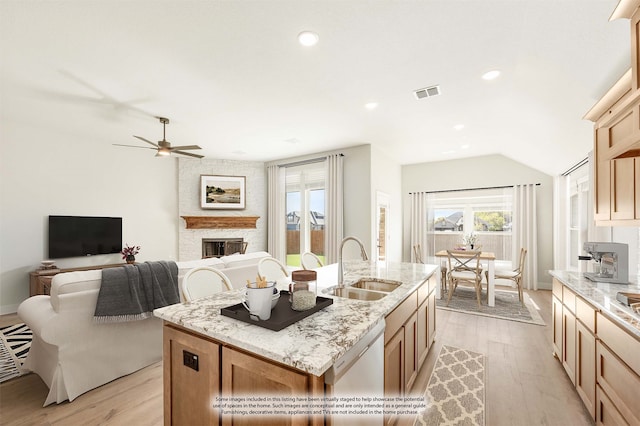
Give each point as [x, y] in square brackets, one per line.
[597, 339]
[293, 360]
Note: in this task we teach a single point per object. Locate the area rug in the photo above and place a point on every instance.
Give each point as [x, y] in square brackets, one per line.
[507, 306]
[15, 341]
[455, 394]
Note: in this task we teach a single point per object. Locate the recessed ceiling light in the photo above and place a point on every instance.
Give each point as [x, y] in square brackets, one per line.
[490, 75]
[371, 105]
[451, 151]
[459, 126]
[465, 146]
[308, 38]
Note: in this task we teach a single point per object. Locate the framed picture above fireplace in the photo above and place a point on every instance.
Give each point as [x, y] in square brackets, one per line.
[222, 192]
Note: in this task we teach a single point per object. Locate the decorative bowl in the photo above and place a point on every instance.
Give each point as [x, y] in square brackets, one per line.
[274, 299]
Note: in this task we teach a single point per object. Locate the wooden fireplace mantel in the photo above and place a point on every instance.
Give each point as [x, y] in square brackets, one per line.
[220, 222]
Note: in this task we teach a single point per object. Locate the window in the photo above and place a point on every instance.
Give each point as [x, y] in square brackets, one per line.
[305, 210]
[578, 181]
[486, 212]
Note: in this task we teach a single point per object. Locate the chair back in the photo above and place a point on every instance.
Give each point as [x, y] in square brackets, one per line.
[272, 269]
[310, 261]
[464, 260]
[523, 255]
[204, 281]
[417, 253]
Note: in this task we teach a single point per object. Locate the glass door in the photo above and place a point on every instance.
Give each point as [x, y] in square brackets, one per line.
[305, 207]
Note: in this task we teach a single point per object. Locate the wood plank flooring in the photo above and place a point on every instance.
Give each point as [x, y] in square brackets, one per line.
[525, 385]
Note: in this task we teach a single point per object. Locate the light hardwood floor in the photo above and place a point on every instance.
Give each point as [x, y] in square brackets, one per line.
[525, 384]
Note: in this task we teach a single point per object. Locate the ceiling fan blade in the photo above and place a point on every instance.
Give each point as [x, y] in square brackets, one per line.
[133, 146]
[145, 140]
[174, 148]
[187, 153]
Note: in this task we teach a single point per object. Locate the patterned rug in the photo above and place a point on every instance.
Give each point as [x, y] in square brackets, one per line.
[455, 394]
[15, 341]
[507, 306]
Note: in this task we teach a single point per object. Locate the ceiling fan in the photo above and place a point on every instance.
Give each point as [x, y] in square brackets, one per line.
[163, 147]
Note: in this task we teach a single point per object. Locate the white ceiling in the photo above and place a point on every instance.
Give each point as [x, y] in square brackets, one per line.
[233, 79]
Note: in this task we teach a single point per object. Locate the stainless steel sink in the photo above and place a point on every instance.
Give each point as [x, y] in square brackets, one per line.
[355, 293]
[377, 284]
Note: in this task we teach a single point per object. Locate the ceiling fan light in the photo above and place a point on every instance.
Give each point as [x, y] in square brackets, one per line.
[308, 38]
[163, 152]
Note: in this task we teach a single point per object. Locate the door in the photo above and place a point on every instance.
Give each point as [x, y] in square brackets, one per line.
[305, 211]
[382, 227]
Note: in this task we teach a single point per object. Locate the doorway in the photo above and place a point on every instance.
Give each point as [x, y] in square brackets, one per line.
[382, 225]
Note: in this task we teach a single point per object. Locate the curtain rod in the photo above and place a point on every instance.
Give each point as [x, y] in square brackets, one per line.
[310, 161]
[466, 189]
[576, 166]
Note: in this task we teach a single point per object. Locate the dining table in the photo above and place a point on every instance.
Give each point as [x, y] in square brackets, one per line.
[485, 256]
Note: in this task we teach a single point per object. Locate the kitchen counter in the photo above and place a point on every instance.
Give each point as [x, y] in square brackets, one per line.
[316, 342]
[603, 297]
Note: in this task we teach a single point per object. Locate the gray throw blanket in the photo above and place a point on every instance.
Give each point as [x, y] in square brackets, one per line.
[132, 292]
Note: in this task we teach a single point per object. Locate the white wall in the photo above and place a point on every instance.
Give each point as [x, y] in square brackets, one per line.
[51, 168]
[479, 172]
[190, 240]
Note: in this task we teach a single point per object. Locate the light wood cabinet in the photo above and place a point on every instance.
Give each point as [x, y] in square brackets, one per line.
[623, 188]
[599, 356]
[198, 371]
[394, 371]
[586, 367]
[411, 351]
[191, 378]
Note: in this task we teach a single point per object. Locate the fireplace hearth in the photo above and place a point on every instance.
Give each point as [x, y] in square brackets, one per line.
[218, 247]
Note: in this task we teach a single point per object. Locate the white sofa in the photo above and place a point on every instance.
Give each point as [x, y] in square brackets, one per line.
[73, 354]
[237, 267]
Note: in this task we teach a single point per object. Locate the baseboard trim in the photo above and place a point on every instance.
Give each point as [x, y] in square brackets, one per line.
[8, 309]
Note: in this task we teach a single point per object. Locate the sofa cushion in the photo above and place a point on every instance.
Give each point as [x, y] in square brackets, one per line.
[70, 282]
[190, 264]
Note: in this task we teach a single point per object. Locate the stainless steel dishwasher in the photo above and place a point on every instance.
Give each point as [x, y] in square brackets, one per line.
[359, 373]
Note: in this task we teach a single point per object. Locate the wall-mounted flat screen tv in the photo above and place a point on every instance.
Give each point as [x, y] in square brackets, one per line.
[72, 236]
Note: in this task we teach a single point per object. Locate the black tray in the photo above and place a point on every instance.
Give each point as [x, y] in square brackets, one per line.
[282, 315]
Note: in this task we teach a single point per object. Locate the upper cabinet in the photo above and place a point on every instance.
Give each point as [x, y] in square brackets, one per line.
[617, 137]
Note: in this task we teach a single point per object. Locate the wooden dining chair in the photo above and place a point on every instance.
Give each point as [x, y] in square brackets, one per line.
[514, 275]
[310, 260]
[464, 268]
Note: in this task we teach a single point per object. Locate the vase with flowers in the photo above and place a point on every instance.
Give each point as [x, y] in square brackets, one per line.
[129, 253]
[470, 240]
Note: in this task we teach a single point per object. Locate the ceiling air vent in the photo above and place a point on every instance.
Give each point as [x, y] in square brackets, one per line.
[427, 92]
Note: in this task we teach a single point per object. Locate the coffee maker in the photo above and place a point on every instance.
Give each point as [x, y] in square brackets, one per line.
[613, 262]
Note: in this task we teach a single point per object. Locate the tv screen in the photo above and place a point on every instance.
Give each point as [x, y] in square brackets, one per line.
[72, 236]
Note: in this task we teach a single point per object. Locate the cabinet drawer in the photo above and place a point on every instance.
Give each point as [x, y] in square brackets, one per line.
[423, 292]
[557, 289]
[625, 346]
[606, 413]
[400, 315]
[619, 382]
[569, 299]
[586, 314]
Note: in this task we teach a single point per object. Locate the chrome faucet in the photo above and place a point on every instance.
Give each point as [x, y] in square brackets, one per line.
[363, 253]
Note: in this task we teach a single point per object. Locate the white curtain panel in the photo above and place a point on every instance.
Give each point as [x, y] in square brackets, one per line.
[334, 217]
[276, 216]
[418, 227]
[525, 231]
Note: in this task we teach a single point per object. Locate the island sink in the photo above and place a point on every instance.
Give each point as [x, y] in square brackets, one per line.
[377, 284]
[354, 293]
[364, 289]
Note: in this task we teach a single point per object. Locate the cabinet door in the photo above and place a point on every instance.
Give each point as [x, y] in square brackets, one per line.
[394, 368]
[432, 319]
[557, 327]
[569, 343]
[423, 332]
[191, 379]
[586, 367]
[623, 189]
[636, 182]
[243, 374]
[619, 382]
[411, 351]
[602, 176]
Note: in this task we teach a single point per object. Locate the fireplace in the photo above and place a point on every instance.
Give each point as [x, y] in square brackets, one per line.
[218, 247]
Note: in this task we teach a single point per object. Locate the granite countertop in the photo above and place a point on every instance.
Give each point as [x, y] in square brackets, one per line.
[603, 297]
[316, 342]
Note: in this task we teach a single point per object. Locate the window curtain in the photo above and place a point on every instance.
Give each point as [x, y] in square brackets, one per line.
[334, 204]
[525, 231]
[276, 216]
[418, 231]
